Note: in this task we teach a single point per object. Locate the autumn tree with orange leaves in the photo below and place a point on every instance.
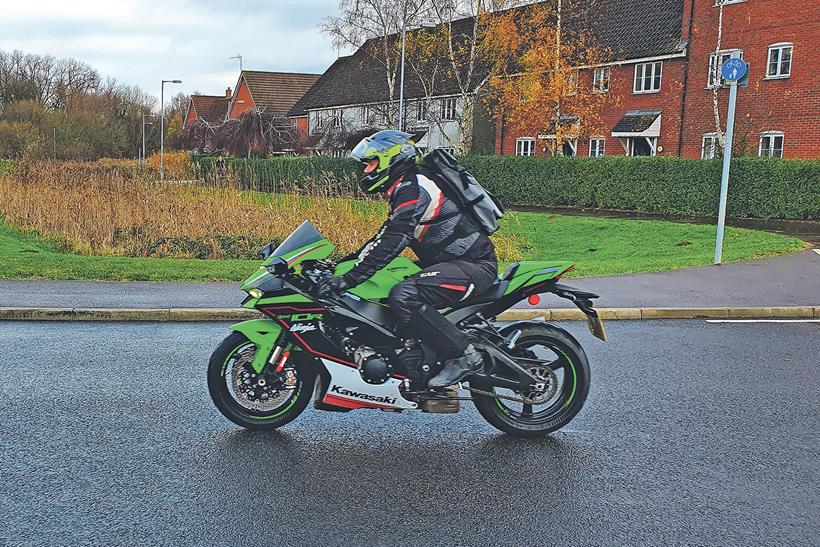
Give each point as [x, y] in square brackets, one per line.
[543, 86]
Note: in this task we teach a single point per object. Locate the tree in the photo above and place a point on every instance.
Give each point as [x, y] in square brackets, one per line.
[536, 88]
[375, 26]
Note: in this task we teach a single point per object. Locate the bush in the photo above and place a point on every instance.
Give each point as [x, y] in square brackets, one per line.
[759, 188]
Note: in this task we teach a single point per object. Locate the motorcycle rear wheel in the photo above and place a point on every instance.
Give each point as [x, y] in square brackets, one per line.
[569, 397]
[225, 380]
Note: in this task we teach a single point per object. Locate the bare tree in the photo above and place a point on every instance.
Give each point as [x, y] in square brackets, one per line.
[376, 25]
[716, 78]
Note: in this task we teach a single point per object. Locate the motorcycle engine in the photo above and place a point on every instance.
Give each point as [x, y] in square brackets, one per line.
[373, 367]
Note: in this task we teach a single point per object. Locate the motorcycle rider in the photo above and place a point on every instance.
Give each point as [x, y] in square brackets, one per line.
[458, 260]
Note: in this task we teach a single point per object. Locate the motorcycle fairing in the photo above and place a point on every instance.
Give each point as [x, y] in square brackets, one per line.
[378, 287]
[347, 389]
[265, 335]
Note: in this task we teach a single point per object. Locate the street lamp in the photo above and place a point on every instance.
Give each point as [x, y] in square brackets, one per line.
[238, 56]
[401, 85]
[162, 126]
[142, 159]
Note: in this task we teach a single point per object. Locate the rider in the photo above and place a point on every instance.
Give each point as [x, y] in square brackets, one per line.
[458, 259]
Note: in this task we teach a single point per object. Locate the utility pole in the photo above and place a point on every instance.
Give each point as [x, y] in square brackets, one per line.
[162, 126]
[54, 141]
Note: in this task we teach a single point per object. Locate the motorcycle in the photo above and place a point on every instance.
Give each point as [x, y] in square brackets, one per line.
[347, 352]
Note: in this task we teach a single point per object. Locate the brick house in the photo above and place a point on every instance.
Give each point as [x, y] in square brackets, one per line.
[209, 108]
[271, 92]
[660, 75]
[779, 113]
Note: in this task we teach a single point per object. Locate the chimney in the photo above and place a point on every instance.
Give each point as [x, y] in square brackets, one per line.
[228, 93]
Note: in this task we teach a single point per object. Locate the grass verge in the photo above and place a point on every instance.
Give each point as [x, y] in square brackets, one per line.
[598, 246]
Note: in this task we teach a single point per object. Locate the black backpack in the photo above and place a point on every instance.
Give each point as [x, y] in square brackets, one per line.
[462, 187]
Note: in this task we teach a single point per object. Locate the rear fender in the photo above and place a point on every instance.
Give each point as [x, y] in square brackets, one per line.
[529, 273]
[265, 335]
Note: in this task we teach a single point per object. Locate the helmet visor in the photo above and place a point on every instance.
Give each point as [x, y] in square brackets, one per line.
[364, 151]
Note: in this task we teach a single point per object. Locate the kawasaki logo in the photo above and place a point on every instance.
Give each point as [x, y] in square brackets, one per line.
[365, 396]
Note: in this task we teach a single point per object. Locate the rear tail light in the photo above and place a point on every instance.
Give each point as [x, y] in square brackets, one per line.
[534, 300]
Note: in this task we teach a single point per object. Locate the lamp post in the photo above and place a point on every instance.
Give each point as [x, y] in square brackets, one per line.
[238, 56]
[142, 159]
[401, 81]
[162, 126]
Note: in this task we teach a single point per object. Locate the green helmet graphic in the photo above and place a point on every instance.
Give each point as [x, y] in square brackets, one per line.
[387, 155]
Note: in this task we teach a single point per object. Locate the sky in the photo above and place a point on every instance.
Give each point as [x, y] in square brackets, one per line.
[141, 42]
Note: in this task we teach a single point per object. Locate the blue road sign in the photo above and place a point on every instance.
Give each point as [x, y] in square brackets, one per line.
[733, 69]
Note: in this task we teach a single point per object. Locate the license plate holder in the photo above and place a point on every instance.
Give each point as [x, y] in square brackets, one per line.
[596, 327]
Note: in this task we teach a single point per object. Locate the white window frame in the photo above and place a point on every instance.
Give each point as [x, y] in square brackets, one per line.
[771, 136]
[709, 153]
[365, 115]
[525, 146]
[779, 48]
[421, 110]
[600, 147]
[336, 119]
[572, 82]
[727, 2]
[604, 72]
[657, 73]
[447, 109]
[573, 143]
[714, 70]
[319, 123]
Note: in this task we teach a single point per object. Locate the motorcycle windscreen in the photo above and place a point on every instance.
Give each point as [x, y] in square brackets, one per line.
[303, 241]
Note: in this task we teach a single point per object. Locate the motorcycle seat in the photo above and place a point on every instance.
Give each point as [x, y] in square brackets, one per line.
[495, 292]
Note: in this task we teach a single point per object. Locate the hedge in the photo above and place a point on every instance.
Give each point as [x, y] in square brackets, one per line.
[758, 188]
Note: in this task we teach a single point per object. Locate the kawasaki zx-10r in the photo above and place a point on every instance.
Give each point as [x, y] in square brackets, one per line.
[347, 351]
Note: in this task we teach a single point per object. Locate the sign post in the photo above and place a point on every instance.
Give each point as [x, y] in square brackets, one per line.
[732, 71]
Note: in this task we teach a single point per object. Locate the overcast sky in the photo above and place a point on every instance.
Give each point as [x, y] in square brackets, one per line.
[143, 41]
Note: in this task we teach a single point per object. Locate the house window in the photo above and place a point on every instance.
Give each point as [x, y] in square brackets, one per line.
[572, 82]
[600, 80]
[716, 61]
[525, 146]
[319, 120]
[336, 118]
[365, 115]
[421, 110]
[648, 77]
[596, 147]
[570, 148]
[641, 146]
[780, 61]
[709, 148]
[771, 145]
[448, 109]
[449, 149]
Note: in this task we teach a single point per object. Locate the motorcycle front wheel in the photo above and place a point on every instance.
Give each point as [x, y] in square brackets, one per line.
[257, 401]
[555, 357]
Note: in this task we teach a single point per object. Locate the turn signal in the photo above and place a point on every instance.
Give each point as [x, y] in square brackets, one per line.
[534, 300]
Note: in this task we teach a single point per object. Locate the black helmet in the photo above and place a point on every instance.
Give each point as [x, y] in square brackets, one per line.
[387, 155]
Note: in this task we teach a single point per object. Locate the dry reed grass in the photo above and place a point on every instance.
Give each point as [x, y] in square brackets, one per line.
[116, 208]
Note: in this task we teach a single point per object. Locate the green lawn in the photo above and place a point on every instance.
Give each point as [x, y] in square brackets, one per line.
[598, 246]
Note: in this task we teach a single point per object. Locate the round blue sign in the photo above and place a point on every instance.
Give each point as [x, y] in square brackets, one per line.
[733, 69]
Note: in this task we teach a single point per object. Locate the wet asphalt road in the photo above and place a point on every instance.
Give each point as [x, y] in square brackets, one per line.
[693, 433]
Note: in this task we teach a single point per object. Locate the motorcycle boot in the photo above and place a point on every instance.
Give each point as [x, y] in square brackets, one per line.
[457, 369]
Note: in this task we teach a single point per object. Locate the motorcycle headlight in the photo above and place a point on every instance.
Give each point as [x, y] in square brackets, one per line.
[255, 293]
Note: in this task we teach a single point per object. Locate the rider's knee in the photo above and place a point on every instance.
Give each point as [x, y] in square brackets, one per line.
[404, 300]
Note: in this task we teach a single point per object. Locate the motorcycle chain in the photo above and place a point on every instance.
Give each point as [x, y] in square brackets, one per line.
[553, 380]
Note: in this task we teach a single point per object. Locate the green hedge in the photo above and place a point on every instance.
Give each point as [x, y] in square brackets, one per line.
[759, 188]
[6, 165]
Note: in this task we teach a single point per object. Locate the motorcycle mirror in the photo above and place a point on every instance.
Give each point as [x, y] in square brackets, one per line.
[267, 250]
[278, 267]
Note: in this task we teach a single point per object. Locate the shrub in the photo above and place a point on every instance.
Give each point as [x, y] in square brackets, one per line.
[759, 188]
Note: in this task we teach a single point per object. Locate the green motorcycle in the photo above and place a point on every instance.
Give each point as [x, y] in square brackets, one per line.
[345, 352]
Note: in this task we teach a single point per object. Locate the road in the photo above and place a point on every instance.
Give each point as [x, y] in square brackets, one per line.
[693, 433]
[790, 280]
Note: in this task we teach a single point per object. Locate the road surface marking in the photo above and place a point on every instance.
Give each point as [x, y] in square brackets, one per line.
[763, 320]
[816, 251]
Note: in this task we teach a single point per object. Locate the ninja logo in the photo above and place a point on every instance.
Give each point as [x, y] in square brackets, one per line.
[303, 327]
[365, 396]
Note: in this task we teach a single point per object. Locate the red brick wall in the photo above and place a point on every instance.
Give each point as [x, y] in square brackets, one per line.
[621, 77]
[238, 106]
[190, 116]
[790, 105]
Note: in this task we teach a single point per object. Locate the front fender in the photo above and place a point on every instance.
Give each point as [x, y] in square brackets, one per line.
[265, 334]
